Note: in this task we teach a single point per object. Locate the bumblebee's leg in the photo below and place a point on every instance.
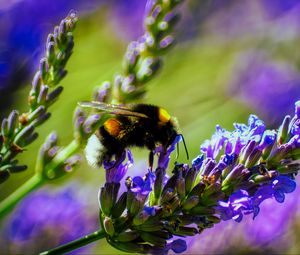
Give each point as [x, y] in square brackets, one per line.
[151, 159]
[118, 159]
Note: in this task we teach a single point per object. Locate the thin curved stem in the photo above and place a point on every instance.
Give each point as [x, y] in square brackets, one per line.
[76, 243]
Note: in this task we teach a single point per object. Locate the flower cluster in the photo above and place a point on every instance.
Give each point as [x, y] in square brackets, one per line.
[237, 171]
[18, 130]
[143, 57]
[54, 161]
[50, 162]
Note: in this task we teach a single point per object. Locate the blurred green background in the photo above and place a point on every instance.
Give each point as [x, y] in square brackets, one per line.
[196, 84]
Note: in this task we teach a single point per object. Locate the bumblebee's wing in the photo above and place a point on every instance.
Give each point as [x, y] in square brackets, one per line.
[112, 109]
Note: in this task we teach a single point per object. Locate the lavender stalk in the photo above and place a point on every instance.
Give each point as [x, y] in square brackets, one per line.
[141, 63]
[19, 130]
[235, 172]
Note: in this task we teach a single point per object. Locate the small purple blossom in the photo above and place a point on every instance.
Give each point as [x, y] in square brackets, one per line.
[238, 204]
[234, 141]
[116, 171]
[164, 154]
[143, 186]
[276, 188]
[177, 246]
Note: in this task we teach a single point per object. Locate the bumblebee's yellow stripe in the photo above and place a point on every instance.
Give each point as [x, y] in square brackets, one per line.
[113, 127]
[163, 115]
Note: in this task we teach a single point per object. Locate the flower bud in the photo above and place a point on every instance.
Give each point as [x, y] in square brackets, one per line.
[4, 175]
[105, 198]
[202, 210]
[131, 57]
[91, 123]
[119, 206]
[265, 178]
[150, 226]
[21, 137]
[166, 43]
[253, 158]
[158, 183]
[147, 69]
[190, 179]
[185, 231]
[289, 168]
[53, 95]
[198, 189]
[35, 90]
[277, 154]
[103, 93]
[197, 162]
[41, 119]
[247, 151]
[137, 204]
[153, 239]
[17, 169]
[130, 247]
[127, 236]
[283, 130]
[180, 187]
[12, 122]
[44, 68]
[4, 128]
[50, 50]
[42, 97]
[140, 218]
[208, 167]
[36, 113]
[190, 203]
[167, 195]
[108, 226]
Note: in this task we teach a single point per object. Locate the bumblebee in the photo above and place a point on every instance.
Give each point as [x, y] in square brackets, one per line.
[141, 125]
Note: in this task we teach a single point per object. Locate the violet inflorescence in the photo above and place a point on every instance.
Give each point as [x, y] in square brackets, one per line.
[143, 58]
[19, 130]
[141, 63]
[235, 173]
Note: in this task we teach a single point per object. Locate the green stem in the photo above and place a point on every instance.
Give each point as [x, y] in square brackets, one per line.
[76, 243]
[9, 202]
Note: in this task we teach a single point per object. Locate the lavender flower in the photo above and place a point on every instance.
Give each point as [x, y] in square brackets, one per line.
[45, 219]
[22, 37]
[270, 231]
[142, 59]
[257, 164]
[18, 130]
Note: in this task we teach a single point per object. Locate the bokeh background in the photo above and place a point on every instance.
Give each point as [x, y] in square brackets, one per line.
[232, 58]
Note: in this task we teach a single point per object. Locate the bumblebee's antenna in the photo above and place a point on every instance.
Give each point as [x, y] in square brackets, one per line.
[186, 150]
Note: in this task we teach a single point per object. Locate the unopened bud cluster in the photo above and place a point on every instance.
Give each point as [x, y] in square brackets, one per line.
[18, 130]
[143, 57]
[49, 163]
